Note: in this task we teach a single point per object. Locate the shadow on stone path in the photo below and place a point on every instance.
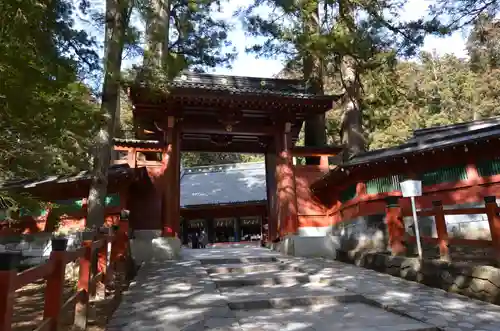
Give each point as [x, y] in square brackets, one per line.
[257, 289]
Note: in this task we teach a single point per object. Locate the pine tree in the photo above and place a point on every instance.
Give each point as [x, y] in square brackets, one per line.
[47, 115]
[346, 47]
[117, 18]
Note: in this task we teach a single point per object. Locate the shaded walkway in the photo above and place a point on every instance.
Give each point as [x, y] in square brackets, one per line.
[257, 289]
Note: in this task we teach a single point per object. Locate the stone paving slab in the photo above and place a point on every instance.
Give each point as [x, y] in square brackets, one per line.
[249, 293]
[445, 310]
[181, 295]
[238, 268]
[267, 278]
[333, 316]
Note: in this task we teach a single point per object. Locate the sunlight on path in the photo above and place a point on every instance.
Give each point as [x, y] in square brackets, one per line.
[252, 288]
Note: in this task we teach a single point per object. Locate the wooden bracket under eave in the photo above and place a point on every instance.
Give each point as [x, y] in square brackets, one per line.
[170, 122]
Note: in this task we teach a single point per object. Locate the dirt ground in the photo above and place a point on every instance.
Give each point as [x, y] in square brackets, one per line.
[29, 303]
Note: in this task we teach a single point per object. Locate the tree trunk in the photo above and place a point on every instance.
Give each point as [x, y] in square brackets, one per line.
[152, 55]
[117, 17]
[351, 131]
[166, 35]
[157, 32]
[315, 126]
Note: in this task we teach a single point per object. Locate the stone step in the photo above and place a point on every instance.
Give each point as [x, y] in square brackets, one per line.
[249, 268]
[291, 301]
[279, 291]
[265, 278]
[334, 316]
[240, 260]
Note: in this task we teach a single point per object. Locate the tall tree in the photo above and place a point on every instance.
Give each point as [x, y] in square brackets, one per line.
[346, 45]
[315, 127]
[483, 44]
[117, 18]
[47, 116]
[184, 35]
[457, 14]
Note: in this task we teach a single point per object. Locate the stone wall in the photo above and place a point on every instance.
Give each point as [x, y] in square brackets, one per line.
[479, 282]
[35, 248]
[362, 233]
[457, 253]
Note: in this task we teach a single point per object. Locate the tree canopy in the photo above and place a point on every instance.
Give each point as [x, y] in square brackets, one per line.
[51, 122]
[47, 113]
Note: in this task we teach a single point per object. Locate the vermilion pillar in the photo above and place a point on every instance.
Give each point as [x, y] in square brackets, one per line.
[494, 223]
[285, 184]
[395, 226]
[272, 221]
[441, 230]
[171, 194]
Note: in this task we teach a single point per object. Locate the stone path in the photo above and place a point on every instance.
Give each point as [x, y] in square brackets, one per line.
[243, 289]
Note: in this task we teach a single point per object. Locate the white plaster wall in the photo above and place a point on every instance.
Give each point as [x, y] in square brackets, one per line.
[311, 231]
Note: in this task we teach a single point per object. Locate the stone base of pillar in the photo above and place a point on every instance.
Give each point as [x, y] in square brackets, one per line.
[149, 245]
[302, 246]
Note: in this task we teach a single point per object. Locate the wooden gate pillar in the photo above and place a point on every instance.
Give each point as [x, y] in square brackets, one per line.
[272, 211]
[494, 222]
[442, 232]
[395, 226]
[171, 194]
[285, 184]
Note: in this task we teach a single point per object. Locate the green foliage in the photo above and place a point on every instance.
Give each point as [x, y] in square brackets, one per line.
[429, 92]
[204, 159]
[375, 38]
[196, 40]
[46, 115]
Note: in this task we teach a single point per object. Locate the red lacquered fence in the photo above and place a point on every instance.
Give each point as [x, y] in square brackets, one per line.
[94, 275]
[443, 241]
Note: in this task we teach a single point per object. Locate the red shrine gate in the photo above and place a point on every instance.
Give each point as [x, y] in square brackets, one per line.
[208, 113]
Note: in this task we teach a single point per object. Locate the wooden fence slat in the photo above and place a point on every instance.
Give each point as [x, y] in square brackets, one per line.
[54, 272]
[81, 307]
[8, 272]
[31, 275]
[102, 263]
[55, 283]
[45, 326]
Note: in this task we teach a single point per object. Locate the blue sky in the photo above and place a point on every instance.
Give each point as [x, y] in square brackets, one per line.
[248, 65]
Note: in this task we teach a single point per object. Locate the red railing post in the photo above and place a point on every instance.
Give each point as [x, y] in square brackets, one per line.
[82, 303]
[119, 254]
[494, 222]
[55, 282]
[8, 272]
[102, 262]
[441, 230]
[395, 226]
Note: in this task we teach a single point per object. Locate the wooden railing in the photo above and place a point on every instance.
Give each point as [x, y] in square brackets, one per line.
[95, 274]
[396, 231]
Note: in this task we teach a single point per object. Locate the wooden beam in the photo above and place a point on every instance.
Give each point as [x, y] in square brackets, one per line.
[234, 147]
[316, 151]
[138, 149]
[236, 129]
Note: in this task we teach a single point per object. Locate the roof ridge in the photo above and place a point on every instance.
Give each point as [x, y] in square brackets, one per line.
[215, 75]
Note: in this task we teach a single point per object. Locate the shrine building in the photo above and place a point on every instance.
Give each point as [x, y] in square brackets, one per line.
[209, 113]
[305, 207]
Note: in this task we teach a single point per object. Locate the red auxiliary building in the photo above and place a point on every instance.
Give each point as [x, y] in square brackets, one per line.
[459, 167]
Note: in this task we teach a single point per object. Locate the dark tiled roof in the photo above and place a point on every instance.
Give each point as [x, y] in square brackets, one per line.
[246, 85]
[433, 138]
[223, 184]
[114, 170]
